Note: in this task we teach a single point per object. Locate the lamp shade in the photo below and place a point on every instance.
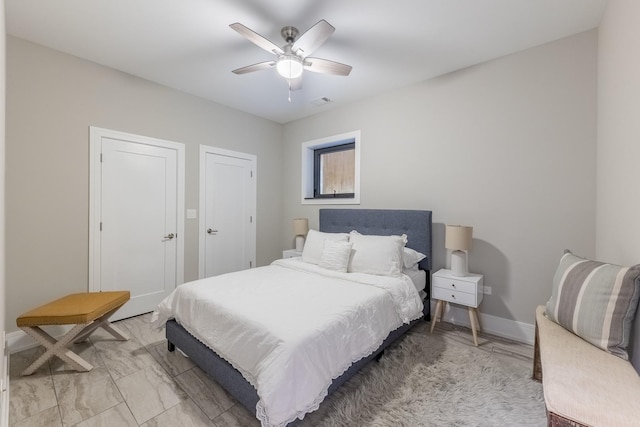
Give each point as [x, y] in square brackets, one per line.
[458, 237]
[300, 226]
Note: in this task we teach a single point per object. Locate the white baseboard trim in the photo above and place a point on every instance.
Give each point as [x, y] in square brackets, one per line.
[4, 381]
[19, 340]
[505, 328]
[511, 329]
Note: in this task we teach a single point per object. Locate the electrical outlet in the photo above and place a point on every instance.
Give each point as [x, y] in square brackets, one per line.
[487, 290]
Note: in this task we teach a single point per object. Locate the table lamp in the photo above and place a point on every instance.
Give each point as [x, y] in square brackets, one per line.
[458, 238]
[300, 229]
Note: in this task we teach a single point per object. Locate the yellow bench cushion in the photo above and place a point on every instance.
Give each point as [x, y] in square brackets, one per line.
[74, 309]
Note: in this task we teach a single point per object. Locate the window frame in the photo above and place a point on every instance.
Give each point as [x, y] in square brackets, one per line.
[317, 154]
[308, 170]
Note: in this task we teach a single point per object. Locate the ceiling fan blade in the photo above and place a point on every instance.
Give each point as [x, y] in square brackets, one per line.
[313, 38]
[256, 38]
[296, 84]
[255, 67]
[325, 66]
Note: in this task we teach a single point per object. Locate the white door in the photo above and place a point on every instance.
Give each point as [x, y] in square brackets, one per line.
[138, 221]
[227, 211]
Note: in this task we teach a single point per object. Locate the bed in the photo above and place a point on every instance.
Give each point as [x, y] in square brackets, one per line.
[182, 333]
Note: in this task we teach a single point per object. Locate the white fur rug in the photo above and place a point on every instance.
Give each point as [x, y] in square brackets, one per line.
[434, 380]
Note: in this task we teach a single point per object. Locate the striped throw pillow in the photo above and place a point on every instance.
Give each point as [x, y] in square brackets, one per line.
[596, 301]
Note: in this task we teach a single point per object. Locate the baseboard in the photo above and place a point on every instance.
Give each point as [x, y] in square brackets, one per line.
[19, 340]
[4, 382]
[511, 329]
[505, 328]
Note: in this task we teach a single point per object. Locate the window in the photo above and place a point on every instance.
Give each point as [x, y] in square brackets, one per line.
[334, 171]
[331, 170]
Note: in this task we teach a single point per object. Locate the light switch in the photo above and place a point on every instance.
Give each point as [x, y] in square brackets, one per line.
[192, 214]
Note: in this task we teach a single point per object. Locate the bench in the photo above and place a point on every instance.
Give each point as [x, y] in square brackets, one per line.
[88, 311]
[583, 385]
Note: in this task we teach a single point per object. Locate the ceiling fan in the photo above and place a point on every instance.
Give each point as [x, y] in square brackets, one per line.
[293, 57]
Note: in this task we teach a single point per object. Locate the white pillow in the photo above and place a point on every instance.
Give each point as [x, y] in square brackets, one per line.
[409, 270]
[313, 246]
[411, 257]
[335, 255]
[380, 255]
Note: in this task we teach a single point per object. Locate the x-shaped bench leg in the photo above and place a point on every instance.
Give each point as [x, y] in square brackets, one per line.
[102, 322]
[56, 348]
[78, 333]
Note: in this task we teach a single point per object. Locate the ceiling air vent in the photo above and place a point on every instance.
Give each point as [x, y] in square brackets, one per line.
[321, 101]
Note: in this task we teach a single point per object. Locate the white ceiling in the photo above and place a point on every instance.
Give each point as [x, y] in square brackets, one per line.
[188, 45]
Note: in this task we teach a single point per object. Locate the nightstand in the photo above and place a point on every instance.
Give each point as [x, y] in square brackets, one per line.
[291, 253]
[463, 290]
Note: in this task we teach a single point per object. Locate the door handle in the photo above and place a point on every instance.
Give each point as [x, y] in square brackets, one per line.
[210, 231]
[170, 236]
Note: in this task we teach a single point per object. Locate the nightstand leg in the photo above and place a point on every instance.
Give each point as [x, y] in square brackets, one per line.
[437, 314]
[472, 320]
[475, 314]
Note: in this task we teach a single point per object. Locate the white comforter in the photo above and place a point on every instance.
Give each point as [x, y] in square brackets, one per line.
[291, 328]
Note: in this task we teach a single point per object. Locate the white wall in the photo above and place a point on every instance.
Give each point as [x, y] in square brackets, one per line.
[52, 99]
[508, 147]
[618, 171]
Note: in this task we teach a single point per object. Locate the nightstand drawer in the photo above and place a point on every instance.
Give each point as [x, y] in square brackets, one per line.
[449, 284]
[454, 296]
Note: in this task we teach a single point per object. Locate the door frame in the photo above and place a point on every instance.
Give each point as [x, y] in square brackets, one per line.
[204, 150]
[95, 197]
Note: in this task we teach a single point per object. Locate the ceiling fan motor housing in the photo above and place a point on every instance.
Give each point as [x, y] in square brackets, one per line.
[289, 34]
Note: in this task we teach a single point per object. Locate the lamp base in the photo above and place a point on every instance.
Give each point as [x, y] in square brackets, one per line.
[299, 243]
[459, 263]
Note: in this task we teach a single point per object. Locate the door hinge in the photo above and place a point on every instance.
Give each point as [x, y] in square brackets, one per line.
[250, 264]
[100, 157]
[101, 226]
[251, 219]
[251, 174]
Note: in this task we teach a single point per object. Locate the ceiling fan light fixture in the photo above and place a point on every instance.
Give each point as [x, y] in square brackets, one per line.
[293, 58]
[289, 66]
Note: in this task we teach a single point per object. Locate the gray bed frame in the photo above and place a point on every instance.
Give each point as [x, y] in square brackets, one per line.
[416, 224]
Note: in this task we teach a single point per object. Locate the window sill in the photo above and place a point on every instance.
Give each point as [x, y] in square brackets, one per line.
[332, 201]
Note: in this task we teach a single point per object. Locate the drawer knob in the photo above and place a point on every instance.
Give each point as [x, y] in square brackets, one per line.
[453, 285]
[453, 296]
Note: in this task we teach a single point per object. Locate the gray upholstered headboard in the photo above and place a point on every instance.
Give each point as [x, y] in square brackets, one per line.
[415, 224]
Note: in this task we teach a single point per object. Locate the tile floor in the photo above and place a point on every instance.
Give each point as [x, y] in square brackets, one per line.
[139, 383]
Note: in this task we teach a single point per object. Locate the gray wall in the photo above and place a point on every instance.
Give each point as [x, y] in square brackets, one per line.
[508, 147]
[618, 228]
[2, 178]
[618, 201]
[52, 99]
